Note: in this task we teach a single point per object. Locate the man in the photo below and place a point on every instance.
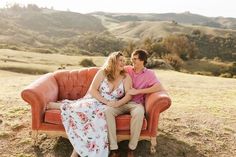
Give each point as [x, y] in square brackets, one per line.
[144, 82]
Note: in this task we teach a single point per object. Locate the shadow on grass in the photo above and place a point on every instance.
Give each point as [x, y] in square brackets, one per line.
[167, 146]
[63, 148]
[38, 151]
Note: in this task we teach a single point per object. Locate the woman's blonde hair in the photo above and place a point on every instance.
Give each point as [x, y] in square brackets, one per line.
[109, 66]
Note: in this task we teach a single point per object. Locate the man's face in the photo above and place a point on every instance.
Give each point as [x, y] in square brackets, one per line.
[136, 61]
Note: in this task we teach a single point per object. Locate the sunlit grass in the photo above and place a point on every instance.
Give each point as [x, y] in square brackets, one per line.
[203, 107]
[36, 63]
[5, 134]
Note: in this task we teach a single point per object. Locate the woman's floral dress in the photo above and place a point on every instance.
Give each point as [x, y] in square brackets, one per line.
[85, 123]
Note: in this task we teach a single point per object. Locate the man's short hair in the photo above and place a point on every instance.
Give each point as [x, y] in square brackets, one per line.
[142, 55]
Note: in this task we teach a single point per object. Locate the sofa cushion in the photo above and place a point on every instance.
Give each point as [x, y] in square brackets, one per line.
[122, 121]
[73, 84]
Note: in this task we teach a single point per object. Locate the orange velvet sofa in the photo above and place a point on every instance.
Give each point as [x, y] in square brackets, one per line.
[73, 84]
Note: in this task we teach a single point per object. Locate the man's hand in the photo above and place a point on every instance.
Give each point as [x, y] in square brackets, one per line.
[133, 91]
[113, 104]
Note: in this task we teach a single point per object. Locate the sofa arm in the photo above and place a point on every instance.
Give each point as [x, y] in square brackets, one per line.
[38, 94]
[155, 103]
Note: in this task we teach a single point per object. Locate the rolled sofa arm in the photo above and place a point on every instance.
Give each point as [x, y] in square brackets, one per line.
[38, 94]
[155, 103]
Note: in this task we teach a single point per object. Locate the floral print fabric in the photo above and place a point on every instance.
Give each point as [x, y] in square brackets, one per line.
[85, 122]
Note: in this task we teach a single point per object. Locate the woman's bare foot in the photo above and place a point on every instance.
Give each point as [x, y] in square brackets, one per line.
[53, 105]
[74, 154]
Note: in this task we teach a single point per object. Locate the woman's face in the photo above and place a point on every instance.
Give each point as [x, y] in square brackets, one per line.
[120, 63]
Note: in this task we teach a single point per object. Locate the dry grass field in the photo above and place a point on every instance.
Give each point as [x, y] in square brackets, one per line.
[201, 121]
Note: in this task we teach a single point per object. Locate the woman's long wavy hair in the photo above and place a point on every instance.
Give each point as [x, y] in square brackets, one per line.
[110, 66]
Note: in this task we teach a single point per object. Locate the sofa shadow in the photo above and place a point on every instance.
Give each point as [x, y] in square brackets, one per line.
[38, 151]
[167, 146]
[63, 148]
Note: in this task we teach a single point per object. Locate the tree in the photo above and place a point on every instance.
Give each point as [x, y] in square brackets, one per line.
[33, 7]
[129, 48]
[181, 46]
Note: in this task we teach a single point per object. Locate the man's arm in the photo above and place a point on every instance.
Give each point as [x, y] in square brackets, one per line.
[154, 88]
[153, 85]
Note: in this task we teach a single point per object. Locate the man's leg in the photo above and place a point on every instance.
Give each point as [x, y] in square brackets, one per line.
[137, 113]
[111, 114]
[53, 105]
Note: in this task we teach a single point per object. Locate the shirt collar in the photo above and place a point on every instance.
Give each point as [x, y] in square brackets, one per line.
[143, 71]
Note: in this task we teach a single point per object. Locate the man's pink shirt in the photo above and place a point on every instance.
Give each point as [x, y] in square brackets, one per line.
[145, 79]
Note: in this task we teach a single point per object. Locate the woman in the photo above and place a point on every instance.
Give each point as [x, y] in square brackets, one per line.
[84, 119]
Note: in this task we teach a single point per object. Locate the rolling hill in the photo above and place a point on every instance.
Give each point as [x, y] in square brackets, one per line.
[139, 26]
[50, 31]
[185, 18]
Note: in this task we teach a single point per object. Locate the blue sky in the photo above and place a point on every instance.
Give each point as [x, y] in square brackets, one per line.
[211, 8]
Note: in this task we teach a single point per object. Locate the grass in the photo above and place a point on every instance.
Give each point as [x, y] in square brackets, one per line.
[200, 122]
[205, 67]
[36, 63]
[5, 134]
[25, 70]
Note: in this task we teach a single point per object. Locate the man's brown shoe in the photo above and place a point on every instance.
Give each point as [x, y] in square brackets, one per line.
[130, 153]
[114, 153]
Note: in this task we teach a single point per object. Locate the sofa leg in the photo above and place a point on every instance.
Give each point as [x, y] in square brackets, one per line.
[35, 137]
[153, 145]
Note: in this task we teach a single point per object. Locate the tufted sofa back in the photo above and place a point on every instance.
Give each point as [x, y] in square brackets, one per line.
[74, 84]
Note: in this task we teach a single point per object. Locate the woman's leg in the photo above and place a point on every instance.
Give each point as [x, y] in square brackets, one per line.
[74, 154]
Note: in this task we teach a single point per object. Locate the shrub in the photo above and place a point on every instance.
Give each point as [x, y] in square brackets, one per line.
[174, 61]
[205, 73]
[158, 63]
[227, 75]
[228, 71]
[129, 48]
[232, 69]
[14, 48]
[128, 61]
[87, 63]
[204, 59]
[196, 32]
[216, 72]
[180, 46]
[151, 64]
[218, 59]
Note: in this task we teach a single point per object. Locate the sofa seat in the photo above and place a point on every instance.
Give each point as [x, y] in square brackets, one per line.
[122, 121]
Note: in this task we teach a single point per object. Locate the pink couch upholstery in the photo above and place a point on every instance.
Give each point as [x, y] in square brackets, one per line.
[66, 84]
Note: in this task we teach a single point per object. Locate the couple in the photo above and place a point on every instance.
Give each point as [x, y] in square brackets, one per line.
[90, 121]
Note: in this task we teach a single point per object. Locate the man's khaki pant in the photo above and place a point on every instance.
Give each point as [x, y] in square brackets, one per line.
[137, 113]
